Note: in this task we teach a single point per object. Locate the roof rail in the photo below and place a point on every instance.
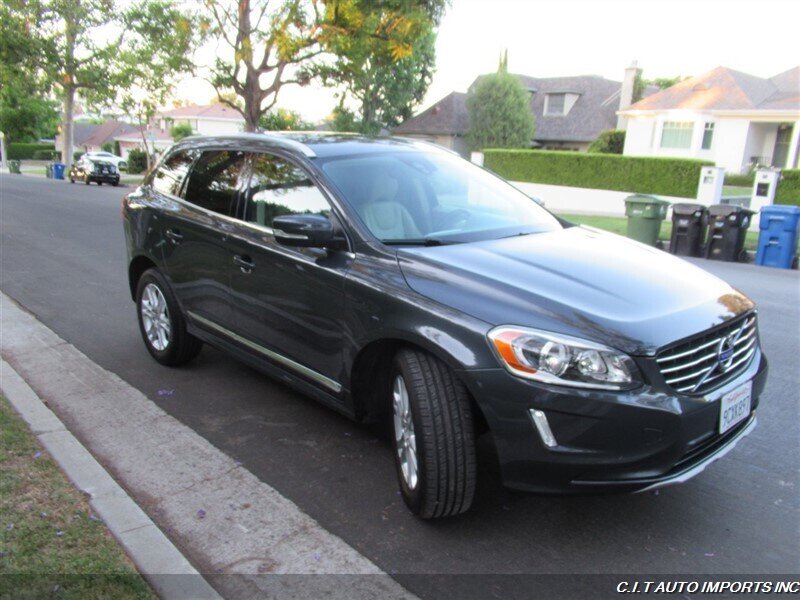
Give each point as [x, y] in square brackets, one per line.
[288, 143]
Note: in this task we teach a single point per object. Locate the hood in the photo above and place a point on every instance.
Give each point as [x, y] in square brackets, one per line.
[577, 281]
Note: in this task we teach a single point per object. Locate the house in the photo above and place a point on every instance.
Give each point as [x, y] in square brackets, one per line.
[208, 119]
[733, 118]
[90, 137]
[570, 112]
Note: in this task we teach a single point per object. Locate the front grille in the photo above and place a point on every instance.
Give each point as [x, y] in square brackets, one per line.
[694, 366]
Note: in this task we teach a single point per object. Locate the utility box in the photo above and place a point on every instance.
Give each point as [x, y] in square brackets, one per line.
[709, 188]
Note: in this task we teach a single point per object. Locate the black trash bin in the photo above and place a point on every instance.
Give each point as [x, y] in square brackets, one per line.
[688, 229]
[727, 228]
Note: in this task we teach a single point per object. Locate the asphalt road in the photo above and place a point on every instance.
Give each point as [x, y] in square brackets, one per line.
[62, 256]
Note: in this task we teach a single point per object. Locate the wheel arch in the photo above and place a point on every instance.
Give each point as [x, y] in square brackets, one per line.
[371, 370]
[138, 265]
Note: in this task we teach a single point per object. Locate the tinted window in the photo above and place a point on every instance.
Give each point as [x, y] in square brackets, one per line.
[170, 174]
[413, 195]
[278, 187]
[213, 183]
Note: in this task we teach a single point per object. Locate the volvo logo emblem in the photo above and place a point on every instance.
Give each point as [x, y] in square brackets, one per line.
[725, 352]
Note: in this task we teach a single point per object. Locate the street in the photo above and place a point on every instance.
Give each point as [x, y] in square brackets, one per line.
[62, 256]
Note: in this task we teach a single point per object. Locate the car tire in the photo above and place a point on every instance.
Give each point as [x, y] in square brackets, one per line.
[72, 180]
[87, 181]
[441, 435]
[161, 322]
[99, 183]
[115, 183]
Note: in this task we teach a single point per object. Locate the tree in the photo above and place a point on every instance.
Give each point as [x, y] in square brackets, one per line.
[500, 113]
[611, 141]
[283, 120]
[156, 50]
[268, 45]
[25, 114]
[180, 131]
[640, 84]
[27, 110]
[387, 80]
[93, 47]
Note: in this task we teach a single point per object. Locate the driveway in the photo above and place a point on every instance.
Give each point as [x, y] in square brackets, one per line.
[63, 258]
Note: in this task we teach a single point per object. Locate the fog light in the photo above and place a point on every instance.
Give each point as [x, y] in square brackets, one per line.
[543, 427]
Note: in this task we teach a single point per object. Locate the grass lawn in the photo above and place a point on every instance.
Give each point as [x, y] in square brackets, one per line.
[50, 542]
[619, 225]
[736, 190]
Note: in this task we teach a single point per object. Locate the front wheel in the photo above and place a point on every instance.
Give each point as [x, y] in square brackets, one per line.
[433, 435]
[161, 322]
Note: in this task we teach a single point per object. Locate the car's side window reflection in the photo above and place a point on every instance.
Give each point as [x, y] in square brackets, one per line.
[214, 181]
[277, 187]
[170, 174]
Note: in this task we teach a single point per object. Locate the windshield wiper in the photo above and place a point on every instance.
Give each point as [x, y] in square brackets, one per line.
[416, 242]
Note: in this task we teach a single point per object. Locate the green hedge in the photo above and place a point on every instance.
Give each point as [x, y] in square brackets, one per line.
[644, 175]
[137, 161]
[736, 179]
[789, 188]
[22, 151]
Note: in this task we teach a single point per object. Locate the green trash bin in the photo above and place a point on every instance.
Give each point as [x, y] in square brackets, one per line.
[645, 214]
[13, 166]
[48, 170]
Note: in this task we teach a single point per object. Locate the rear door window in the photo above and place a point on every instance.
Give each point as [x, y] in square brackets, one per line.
[214, 181]
[278, 187]
[172, 171]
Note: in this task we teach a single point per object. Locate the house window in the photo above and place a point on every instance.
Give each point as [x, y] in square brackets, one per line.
[554, 104]
[677, 134]
[708, 136]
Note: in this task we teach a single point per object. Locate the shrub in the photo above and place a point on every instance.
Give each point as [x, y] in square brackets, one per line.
[500, 113]
[645, 175]
[735, 179]
[24, 151]
[76, 156]
[108, 147]
[610, 141]
[180, 131]
[137, 161]
[46, 155]
[789, 188]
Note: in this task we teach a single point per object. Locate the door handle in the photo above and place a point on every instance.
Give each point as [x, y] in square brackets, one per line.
[245, 263]
[175, 235]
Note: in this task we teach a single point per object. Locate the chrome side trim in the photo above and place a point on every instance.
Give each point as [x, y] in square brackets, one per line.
[279, 358]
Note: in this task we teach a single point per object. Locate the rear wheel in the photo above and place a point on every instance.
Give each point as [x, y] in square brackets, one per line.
[161, 322]
[86, 180]
[433, 436]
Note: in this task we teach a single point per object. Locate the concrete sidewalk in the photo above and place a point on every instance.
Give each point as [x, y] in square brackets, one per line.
[224, 520]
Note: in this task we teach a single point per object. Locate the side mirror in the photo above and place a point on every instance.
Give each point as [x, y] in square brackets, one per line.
[303, 231]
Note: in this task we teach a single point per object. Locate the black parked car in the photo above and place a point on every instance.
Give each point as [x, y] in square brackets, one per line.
[392, 280]
[88, 170]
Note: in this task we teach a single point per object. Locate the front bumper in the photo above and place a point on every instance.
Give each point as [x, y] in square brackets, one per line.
[606, 441]
[104, 177]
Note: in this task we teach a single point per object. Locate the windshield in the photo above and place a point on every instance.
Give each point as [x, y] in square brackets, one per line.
[433, 198]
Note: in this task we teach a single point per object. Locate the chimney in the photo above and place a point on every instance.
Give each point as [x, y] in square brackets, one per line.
[626, 92]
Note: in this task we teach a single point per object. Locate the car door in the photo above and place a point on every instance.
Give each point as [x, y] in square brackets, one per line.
[288, 301]
[196, 226]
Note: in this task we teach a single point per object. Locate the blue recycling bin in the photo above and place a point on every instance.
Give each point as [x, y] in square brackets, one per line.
[777, 240]
[58, 170]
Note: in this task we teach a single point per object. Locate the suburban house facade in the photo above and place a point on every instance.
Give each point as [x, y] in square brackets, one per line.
[570, 112]
[208, 119]
[90, 137]
[735, 119]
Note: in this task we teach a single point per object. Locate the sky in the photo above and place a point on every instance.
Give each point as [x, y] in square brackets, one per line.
[548, 38]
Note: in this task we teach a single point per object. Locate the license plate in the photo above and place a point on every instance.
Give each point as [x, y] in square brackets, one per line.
[734, 406]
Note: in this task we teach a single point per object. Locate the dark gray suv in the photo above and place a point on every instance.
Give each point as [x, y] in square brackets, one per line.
[392, 280]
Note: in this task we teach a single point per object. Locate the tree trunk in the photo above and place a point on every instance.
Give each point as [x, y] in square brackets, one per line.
[66, 127]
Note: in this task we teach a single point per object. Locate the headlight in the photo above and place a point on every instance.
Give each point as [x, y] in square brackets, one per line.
[562, 359]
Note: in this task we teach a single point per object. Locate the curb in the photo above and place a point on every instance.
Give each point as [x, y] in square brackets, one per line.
[152, 553]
